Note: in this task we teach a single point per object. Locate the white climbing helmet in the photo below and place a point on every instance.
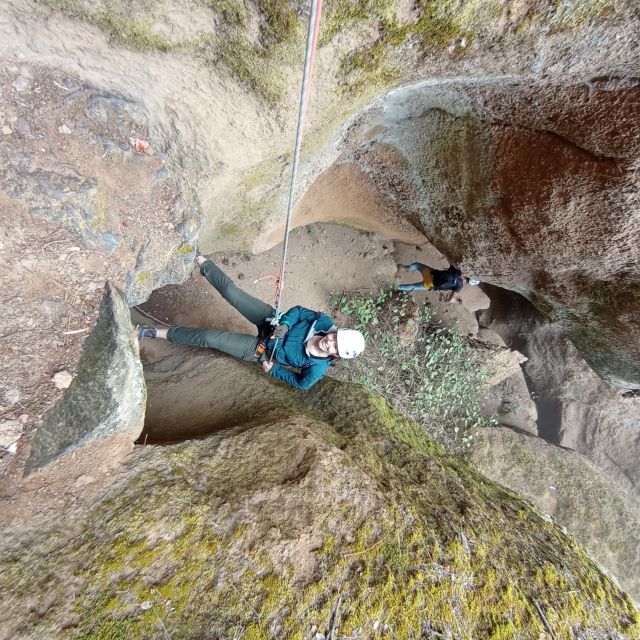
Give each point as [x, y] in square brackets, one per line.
[474, 282]
[350, 343]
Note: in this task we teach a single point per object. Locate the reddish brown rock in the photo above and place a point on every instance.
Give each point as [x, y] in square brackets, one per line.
[531, 186]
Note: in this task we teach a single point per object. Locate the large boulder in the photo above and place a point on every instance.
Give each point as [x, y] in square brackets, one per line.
[333, 513]
[107, 396]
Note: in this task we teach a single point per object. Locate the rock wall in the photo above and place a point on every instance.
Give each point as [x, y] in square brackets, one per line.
[579, 496]
[512, 144]
[576, 409]
[84, 199]
[530, 185]
[525, 173]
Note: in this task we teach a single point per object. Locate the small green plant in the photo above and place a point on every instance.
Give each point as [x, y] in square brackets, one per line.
[242, 256]
[430, 373]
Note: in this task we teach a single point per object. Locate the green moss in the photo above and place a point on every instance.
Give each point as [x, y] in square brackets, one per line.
[405, 430]
[249, 213]
[456, 166]
[260, 63]
[441, 22]
[143, 277]
[529, 21]
[116, 21]
[185, 249]
[229, 230]
[251, 66]
[282, 24]
[367, 70]
[543, 305]
[263, 175]
[447, 552]
[572, 14]
[135, 34]
[339, 15]
[233, 12]
[99, 209]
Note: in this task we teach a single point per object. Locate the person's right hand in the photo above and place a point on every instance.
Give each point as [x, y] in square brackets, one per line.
[266, 366]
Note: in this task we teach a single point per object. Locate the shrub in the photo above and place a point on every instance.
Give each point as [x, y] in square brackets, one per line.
[432, 374]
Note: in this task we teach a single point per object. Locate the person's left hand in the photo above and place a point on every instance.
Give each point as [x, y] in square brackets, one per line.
[280, 331]
[267, 366]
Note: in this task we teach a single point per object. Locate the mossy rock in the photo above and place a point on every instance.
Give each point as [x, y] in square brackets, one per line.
[331, 506]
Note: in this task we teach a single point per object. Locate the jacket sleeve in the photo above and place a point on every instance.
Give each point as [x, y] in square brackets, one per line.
[303, 380]
[292, 316]
[324, 323]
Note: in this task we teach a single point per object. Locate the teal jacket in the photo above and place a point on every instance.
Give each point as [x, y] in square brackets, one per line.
[290, 350]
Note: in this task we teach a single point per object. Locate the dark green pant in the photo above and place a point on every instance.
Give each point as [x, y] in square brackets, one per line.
[239, 345]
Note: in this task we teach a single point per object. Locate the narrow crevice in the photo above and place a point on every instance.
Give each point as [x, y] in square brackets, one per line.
[518, 323]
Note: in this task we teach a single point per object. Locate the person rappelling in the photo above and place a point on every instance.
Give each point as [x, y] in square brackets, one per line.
[298, 350]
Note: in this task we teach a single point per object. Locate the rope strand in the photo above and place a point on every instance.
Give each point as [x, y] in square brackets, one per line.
[312, 40]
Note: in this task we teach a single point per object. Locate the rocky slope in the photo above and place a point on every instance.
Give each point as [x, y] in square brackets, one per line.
[80, 205]
[506, 134]
[525, 172]
[577, 409]
[327, 513]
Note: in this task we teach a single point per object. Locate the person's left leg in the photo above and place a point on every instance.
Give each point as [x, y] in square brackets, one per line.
[254, 310]
[415, 286]
[414, 266]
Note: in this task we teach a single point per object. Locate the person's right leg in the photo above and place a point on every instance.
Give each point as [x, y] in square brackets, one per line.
[239, 345]
[251, 308]
[415, 286]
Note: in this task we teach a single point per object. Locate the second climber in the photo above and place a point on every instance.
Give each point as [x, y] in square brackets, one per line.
[450, 279]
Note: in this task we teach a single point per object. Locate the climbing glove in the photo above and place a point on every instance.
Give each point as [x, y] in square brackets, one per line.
[280, 331]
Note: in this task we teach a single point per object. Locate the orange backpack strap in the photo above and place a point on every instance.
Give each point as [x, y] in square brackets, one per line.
[427, 279]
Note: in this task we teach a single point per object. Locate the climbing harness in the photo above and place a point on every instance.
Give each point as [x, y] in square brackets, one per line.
[312, 39]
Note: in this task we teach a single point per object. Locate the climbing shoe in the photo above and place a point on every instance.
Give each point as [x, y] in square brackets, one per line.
[143, 331]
